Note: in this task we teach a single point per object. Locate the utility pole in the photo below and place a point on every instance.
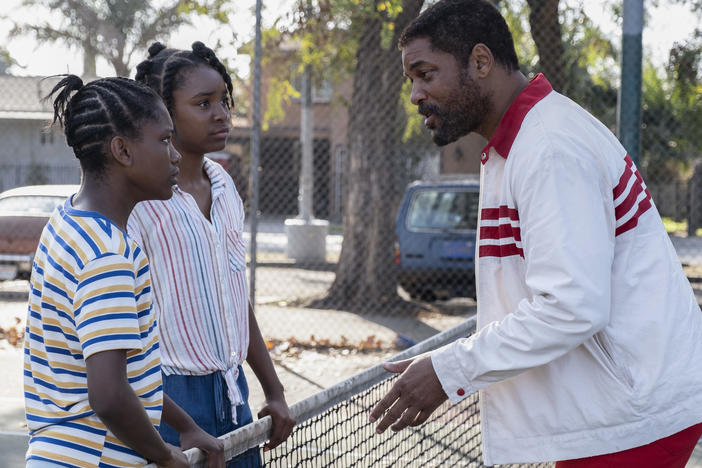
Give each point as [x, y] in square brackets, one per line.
[255, 153]
[307, 236]
[629, 109]
[306, 143]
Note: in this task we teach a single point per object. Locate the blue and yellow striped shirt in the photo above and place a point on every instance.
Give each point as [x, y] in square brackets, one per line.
[90, 292]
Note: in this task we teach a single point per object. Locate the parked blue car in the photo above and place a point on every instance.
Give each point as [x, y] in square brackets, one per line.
[435, 238]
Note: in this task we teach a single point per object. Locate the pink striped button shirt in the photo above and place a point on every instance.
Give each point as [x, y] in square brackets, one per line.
[198, 272]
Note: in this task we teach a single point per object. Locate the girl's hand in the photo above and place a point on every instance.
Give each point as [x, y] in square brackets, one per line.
[283, 421]
[212, 446]
[177, 460]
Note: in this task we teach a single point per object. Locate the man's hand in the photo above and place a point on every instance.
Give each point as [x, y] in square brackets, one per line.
[415, 395]
[212, 446]
[177, 459]
[283, 421]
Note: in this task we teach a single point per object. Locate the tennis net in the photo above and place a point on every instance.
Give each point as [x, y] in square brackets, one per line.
[333, 428]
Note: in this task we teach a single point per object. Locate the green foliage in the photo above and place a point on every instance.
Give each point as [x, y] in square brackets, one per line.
[672, 226]
[415, 121]
[589, 57]
[516, 13]
[678, 227]
[672, 111]
[6, 61]
[327, 34]
[672, 98]
[280, 93]
[321, 34]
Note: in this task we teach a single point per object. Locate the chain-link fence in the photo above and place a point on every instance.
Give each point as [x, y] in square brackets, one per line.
[398, 255]
[337, 227]
[350, 257]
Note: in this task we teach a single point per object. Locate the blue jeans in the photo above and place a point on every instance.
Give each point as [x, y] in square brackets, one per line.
[205, 399]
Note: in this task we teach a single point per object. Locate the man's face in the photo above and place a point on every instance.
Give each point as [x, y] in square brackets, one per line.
[444, 92]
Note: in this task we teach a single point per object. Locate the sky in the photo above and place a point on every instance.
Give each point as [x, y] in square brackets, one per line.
[667, 23]
[53, 58]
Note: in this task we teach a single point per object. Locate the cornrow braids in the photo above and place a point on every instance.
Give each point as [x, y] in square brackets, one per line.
[92, 114]
[207, 54]
[164, 69]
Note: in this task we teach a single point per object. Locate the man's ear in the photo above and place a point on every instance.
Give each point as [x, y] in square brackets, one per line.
[121, 151]
[482, 60]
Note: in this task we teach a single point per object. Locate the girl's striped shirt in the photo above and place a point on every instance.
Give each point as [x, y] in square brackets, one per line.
[198, 268]
[90, 291]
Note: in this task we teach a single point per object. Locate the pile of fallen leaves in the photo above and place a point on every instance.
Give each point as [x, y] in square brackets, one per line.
[293, 346]
[13, 334]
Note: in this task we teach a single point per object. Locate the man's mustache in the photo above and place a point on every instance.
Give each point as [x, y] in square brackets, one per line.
[426, 109]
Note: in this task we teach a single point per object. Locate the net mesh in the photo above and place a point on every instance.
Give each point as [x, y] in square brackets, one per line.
[333, 428]
[342, 436]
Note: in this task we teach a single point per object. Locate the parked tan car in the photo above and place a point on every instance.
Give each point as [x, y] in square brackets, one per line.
[24, 212]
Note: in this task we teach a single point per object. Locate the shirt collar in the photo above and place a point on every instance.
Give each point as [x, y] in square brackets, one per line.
[511, 122]
[215, 174]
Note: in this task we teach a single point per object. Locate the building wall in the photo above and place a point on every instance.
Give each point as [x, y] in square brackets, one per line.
[29, 154]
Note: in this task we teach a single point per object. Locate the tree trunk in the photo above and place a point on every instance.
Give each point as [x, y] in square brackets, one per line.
[546, 32]
[365, 275]
[89, 59]
[120, 66]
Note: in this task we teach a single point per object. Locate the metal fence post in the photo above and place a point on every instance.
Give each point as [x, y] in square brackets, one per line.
[629, 109]
[255, 152]
[306, 140]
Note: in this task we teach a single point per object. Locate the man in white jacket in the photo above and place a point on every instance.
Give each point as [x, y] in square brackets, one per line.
[589, 338]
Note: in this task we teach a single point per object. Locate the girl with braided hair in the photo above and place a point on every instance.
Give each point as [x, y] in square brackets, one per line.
[92, 380]
[195, 242]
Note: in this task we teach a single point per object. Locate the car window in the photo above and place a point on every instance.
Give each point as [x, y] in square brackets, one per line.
[40, 205]
[444, 210]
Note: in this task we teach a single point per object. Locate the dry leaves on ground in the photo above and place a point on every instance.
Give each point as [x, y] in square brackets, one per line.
[13, 334]
[292, 347]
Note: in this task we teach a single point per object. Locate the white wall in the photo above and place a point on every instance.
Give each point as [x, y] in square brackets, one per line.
[27, 158]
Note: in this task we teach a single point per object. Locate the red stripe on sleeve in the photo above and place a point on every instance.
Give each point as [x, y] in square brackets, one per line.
[500, 232]
[634, 221]
[502, 212]
[506, 250]
[624, 179]
[626, 204]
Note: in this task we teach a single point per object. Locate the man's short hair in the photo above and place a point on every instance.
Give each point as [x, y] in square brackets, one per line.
[456, 26]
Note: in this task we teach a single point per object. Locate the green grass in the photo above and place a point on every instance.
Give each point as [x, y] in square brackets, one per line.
[336, 229]
[678, 227]
[672, 226]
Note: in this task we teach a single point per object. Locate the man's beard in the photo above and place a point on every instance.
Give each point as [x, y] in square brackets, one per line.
[463, 113]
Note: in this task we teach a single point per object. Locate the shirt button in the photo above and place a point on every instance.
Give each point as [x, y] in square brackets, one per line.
[460, 391]
[483, 157]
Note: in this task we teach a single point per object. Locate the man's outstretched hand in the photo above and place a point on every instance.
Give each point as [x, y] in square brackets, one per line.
[413, 397]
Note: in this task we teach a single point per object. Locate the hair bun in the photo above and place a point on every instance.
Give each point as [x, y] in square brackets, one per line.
[199, 47]
[204, 52]
[155, 48]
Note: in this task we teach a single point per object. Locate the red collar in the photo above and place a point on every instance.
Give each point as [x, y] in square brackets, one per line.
[511, 122]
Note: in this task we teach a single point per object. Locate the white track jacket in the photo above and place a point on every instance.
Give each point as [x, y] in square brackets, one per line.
[589, 335]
